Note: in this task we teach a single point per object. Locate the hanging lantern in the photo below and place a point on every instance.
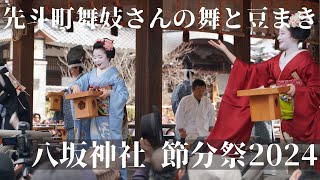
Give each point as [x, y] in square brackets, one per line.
[114, 31]
[186, 35]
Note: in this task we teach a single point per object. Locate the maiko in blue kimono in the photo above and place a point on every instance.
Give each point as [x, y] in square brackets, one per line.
[108, 125]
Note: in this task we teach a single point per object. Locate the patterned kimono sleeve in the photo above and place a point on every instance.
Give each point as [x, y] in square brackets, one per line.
[118, 99]
[82, 82]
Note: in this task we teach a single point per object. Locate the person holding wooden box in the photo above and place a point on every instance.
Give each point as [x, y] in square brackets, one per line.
[75, 58]
[107, 79]
[293, 67]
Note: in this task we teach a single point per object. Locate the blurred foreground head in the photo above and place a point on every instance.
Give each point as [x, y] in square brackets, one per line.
[214, 172]
[157, 171]
[304, 174]
[47, 172]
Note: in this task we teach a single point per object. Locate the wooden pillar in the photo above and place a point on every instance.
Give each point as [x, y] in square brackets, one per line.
[23, 57]
[148, 63]
[242, 44]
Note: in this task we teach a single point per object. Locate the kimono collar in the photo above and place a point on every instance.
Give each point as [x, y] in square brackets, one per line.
[286, 58]
[110, 70]
[197, 99]
[291, 65]
[79, 76]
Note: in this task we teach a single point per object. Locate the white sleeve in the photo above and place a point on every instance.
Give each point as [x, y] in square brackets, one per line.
[179, 117]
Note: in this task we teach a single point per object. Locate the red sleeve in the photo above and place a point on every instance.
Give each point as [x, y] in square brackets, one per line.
[233, 121]
[246, 76]
[306, 122]
[311, 77]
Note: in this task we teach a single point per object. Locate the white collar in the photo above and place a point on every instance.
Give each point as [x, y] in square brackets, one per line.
[284, 60]
[100, 72]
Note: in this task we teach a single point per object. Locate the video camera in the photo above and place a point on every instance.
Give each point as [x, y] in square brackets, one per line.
[22, 144]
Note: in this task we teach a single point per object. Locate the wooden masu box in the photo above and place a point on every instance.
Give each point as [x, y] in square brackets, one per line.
[264, 102]
[55, 100]
[85, 104]
[63, 132]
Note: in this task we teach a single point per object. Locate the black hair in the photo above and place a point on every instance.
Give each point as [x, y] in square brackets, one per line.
[167, 173]
[299, 33]
[81, 69]
[198, 82]
[34, 115]
[99, 45]
[163, 176]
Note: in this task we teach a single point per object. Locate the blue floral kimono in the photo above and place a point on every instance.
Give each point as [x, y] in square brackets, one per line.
[106, 127]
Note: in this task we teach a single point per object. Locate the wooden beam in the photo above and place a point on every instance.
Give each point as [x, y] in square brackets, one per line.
[23, 58]
[148, 63]
[242, 44]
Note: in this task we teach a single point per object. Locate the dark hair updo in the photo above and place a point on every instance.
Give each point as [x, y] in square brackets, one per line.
[299, 33]
[100, 44]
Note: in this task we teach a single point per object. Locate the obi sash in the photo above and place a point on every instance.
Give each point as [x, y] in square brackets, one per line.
[286, 102]
[103, 104]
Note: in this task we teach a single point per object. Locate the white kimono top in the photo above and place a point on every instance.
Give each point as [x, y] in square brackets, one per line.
[195, 117]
